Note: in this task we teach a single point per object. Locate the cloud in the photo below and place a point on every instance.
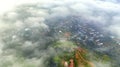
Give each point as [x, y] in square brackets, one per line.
[24, 28]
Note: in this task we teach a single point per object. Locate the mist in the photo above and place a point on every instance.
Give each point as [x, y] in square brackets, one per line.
[29, 29]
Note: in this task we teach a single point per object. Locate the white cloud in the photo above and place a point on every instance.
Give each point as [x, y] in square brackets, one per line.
[107, 12]
[115, 29]
[7, 5]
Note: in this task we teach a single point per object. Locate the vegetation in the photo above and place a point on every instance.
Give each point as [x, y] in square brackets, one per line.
[78, 56]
